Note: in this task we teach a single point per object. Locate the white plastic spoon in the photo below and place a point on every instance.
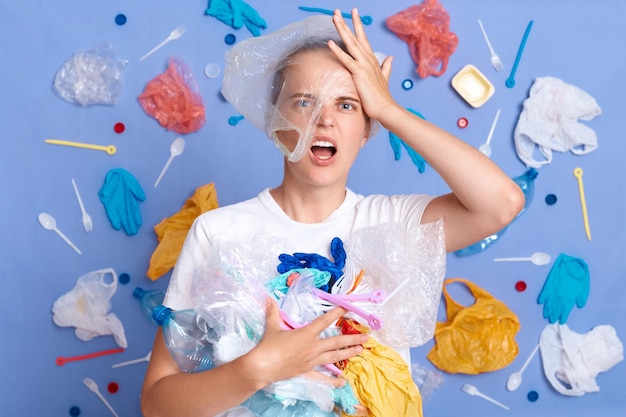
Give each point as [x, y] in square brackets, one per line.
[49, 223]
[144, 359]
[485, 148]
[87, 221]
[515, 379]
[537, 258]
[175, 34]
[472, 390]
[91, 384]
[176, 148]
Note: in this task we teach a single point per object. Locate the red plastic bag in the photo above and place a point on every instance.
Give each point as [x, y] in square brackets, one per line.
[172, 99]
[425, 28]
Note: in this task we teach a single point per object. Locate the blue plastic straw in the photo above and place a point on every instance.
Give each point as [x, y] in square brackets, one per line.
[367, 20]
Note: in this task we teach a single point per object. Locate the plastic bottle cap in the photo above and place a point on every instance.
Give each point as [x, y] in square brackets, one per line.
[160, 314]
[550, 199]
[120, 19]
[230, 39]
[532, 396]
[119, 127]
[462, 122]
[113, 387]
[212, 70]
[520, 286]
[124, 278]
[74, 411]
[407, 84]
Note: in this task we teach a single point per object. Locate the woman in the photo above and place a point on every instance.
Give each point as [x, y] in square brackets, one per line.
[324, 104]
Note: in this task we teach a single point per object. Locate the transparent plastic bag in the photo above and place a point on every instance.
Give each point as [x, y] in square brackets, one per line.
[90, 77]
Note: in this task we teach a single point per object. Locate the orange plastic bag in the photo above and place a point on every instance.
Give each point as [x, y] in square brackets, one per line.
[477, 338]
[425, 28]
[172, 98]
[172, 231]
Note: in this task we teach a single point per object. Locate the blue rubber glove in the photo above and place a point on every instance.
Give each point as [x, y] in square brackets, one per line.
[567, 284]
[120, 195]
[236, 13]
[395, 142]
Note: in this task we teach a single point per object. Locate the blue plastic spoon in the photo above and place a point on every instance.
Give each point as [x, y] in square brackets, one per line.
[510, 82]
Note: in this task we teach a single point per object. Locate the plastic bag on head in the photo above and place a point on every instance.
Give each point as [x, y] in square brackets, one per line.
[254, 86]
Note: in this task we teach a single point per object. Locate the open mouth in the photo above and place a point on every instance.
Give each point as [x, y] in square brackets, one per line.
[323, 150]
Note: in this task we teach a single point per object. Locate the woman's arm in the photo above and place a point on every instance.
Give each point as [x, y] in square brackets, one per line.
[483, 199]
[281, 354]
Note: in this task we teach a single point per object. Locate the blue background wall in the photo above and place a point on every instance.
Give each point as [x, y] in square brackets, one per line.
[580, 42]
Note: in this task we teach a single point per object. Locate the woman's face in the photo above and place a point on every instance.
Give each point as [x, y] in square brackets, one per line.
[319, 104]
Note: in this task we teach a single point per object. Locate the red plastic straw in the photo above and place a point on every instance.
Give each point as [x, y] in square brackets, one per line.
[63, 360]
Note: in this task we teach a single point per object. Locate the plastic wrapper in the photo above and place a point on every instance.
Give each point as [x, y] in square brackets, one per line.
[409, 265]
[426, 30]
[477, 338]
[86, 307]
[526, 182]
[90, 77]
[255, 83]
[173, 99]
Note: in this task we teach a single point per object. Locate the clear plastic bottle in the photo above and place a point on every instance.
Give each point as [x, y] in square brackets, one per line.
[188, 338]
[526, 182]
[148, 300]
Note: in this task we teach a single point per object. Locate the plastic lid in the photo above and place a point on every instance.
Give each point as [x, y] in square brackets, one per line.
[407, 84]
[212, 70]
[124, 278]
[532, 396]
[113, 387]
[119, 127]
[138, 292]
[74, 411]
[520, 286]
[462, 122]
[160, 314]
[550, 199]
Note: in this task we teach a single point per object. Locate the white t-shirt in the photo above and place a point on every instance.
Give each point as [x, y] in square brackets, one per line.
[262, 216]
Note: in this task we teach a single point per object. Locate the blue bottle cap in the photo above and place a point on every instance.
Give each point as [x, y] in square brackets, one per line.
[532, 396]
[230, 39]
[120, 19]
[407, 84]
[124, 278]
[160, 314]
[138, 292]
[550, 199]
[74, 411]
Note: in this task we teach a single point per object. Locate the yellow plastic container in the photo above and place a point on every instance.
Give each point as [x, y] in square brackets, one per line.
[473, 86]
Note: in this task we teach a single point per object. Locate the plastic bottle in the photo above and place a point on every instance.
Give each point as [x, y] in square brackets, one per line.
[148, 300]
[526, 182]
[188, 338]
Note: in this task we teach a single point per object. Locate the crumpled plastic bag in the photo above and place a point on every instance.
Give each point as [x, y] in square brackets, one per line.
[549, 121]
[90, 77]
[173, 99]
[571, 361]
[172, 231]
[477, 338]
[409, 265]
[382, 380]
[87, 307]
[426, 29]
[121, 194]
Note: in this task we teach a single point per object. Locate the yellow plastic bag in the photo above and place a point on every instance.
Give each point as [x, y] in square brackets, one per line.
[382, 381]
[172, 231]
[477, 338]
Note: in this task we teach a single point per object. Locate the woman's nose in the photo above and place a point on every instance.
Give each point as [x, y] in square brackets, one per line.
[327, 117]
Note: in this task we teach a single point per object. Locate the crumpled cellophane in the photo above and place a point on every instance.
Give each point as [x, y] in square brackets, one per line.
[410, 266]
[172, 231]
[426, 29]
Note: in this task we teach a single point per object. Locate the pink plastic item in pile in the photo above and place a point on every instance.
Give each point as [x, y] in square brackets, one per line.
[172, 99]
[425, 28]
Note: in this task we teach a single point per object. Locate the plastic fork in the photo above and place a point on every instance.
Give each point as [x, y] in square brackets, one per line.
[495, 59]
[87, 222]
[374, 321]
[91, 384]
[175, 34]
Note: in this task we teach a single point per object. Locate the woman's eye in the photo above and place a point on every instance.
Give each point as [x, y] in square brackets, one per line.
[346, 106]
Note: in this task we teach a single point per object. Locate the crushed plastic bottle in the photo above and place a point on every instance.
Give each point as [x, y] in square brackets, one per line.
[526, 182]
[148, 300]
[188, 338]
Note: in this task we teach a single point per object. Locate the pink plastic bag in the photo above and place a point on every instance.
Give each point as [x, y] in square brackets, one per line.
[173, 100]
[425, 28]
